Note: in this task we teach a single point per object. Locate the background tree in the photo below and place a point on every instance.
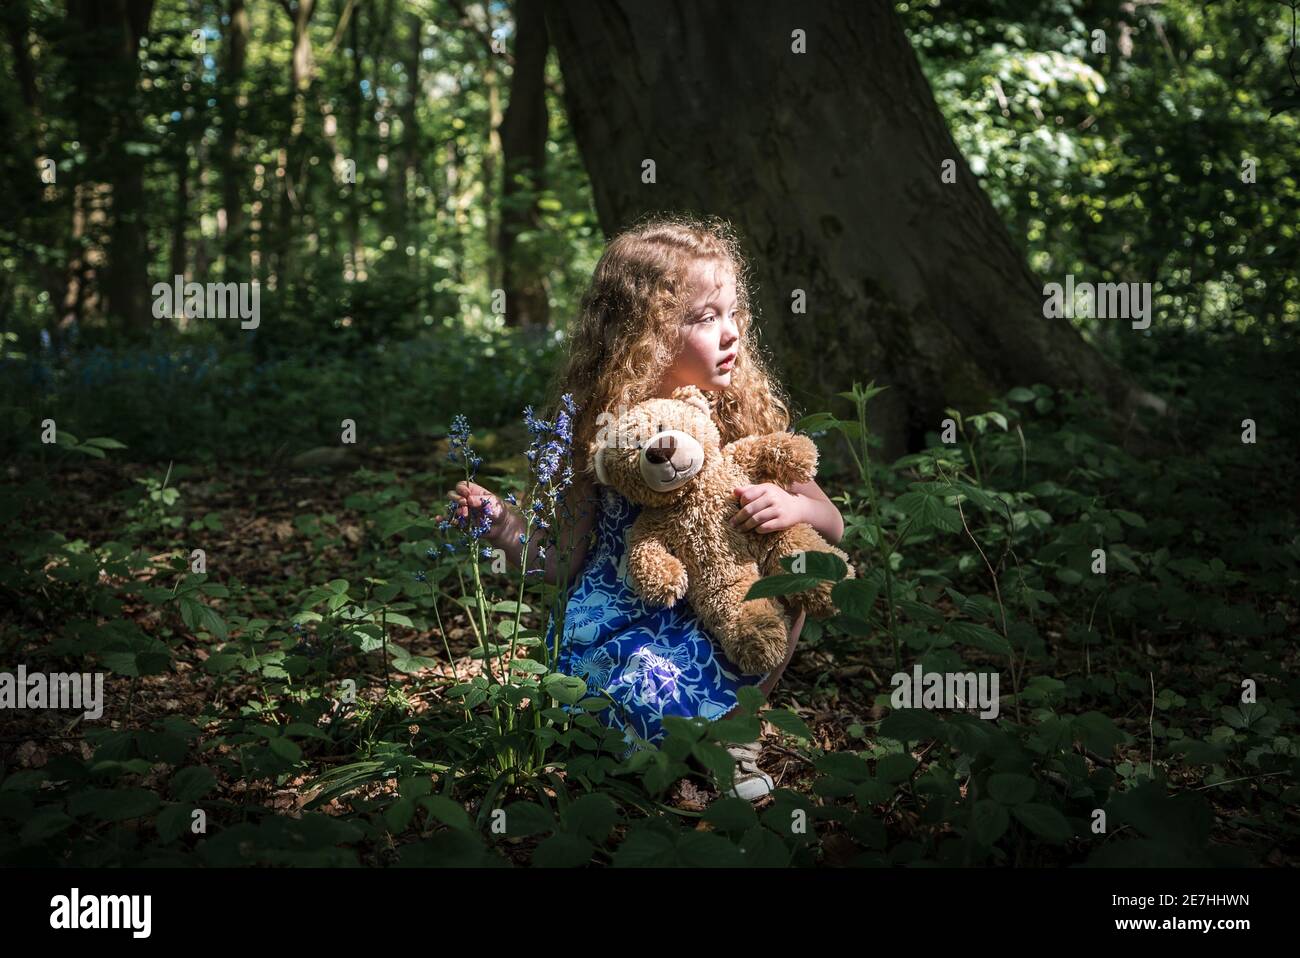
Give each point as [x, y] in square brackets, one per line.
[524, 131]
[815, 131]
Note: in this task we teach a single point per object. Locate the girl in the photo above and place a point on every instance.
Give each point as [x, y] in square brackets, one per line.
[668, 306]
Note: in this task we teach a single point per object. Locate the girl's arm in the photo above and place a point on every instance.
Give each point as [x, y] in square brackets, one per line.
[769, 507]
[508, 525]
[818, 511]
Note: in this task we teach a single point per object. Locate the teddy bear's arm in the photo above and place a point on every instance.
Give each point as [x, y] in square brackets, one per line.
[655, 573]
[781, 457]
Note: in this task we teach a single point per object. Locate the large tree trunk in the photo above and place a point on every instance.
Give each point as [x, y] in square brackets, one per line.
[234, 246]
[293, 195]
[410, 176]
[357, 256]
[829, 164]
[38, 208]
[106, 43]
[523, 152]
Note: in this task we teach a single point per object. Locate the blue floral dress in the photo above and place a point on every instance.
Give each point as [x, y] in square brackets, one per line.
[651, 661]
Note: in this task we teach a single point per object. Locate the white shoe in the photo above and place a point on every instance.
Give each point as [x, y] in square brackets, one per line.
[752, 783]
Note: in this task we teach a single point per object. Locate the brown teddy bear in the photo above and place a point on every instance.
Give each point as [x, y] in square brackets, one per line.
[667, 456]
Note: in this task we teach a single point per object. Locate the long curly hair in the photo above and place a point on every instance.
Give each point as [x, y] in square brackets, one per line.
[629, 329]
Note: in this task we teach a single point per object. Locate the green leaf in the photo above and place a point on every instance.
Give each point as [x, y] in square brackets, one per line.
[989, 821]
[1021, 394]
[591, 816]
[1098, 733]
[27, 780]
[173, 822]
[979, 636]
[928, 511]
[826, 566]
[894, 768]
[784, 584]
[45, 823]
[1010, 788]
[527, 818]
[192, 783]
[448, 812]
[851, 768]
[509, 606]
[119, 663]
[562, 851]
[1132, 518]
[856, 597]
[750, 698]
[717, 760]
[911, 725]
[1044, 821]
[566, 689]
[221, 662]
[731, 815]
[112, 804]
[789, 723]
[285, 749]
[162, 747]
[740, 728]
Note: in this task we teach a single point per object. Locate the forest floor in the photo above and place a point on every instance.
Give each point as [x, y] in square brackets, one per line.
[275, 531]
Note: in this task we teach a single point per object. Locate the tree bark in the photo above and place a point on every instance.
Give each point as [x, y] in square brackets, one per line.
[357, 255]
[829, 164]
[523, 153]
[293, 198]
[235, 267]
[410, 178]
[107, 39]
[39, 209]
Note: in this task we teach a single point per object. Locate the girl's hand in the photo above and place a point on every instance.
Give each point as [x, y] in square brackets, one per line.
[470, 495]
[766, 507]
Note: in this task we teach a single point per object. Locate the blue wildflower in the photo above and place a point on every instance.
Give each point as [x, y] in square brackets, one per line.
[421, 576]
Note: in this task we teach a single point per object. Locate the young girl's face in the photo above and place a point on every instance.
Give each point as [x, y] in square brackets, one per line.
[710, 334]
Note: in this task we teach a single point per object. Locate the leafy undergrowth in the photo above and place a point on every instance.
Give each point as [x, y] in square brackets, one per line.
[324, 684]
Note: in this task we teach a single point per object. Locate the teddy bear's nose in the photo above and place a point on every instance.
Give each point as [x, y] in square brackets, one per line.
[661, 450]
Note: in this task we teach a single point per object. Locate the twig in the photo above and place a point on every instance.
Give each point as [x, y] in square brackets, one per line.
[1151, 735]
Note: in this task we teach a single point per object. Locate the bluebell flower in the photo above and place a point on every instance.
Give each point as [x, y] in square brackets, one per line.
[458, 437]
[431, 552]
[489, 552]
[420, 576]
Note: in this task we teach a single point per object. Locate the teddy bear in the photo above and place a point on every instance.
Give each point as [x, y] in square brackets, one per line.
[666, 455]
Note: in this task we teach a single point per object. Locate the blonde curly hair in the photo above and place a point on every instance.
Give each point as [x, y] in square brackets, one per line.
[629, 330]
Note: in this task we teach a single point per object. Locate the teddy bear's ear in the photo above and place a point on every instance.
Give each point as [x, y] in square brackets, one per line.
[693, 395]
